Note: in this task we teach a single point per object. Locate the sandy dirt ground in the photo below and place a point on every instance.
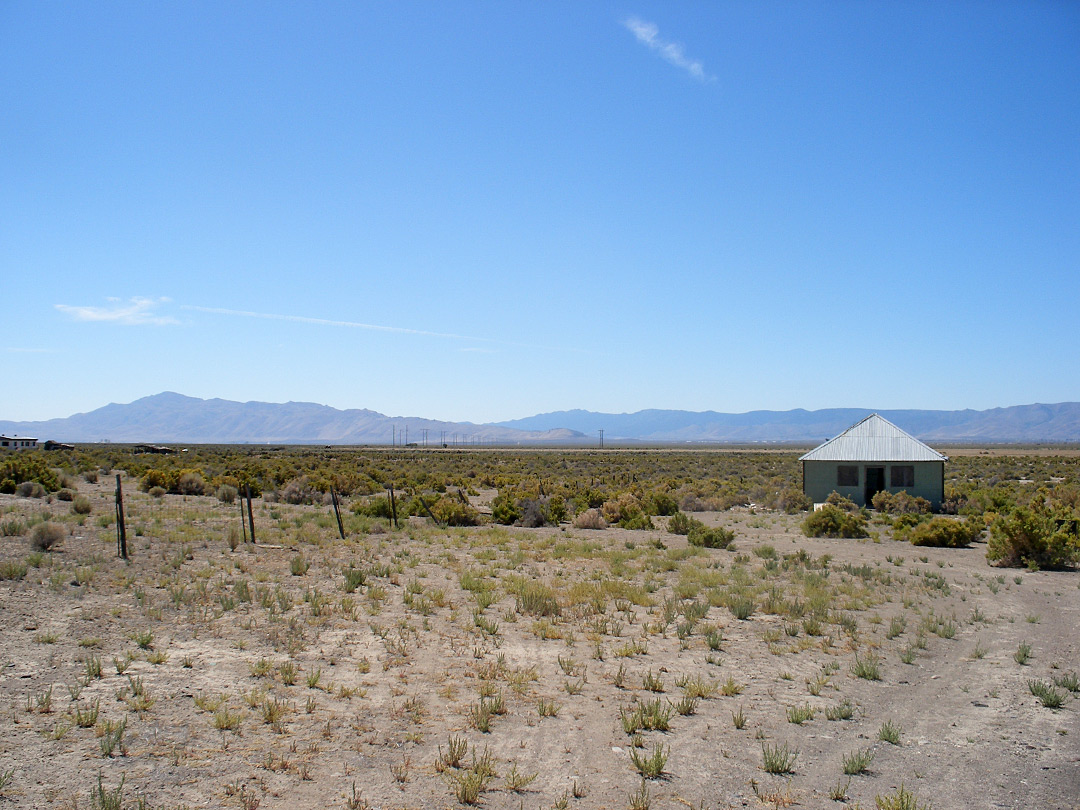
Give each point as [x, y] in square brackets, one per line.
[249, 682]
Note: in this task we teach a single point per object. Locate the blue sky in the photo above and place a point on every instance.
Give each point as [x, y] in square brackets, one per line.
[481, 211]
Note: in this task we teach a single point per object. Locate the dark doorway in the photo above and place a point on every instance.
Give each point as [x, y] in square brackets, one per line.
[875, 482]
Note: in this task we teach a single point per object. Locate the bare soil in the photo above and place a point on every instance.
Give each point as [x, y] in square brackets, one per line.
[404, 664]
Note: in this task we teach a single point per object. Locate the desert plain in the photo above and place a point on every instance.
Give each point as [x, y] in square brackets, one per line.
[430, 666]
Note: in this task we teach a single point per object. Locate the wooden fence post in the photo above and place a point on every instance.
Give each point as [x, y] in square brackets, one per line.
[337, 512]
[393, 507]
[251, 515]
[243, 523]
[423, 503]
[121, 530]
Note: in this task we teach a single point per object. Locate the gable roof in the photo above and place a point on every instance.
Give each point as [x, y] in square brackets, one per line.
[874, 439]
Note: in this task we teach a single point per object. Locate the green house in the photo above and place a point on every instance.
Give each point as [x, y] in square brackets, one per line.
[871, 456]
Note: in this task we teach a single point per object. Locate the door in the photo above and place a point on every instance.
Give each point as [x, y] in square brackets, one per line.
[875, 482]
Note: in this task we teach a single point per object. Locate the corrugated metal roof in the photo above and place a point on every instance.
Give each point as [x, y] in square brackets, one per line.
[874, 439]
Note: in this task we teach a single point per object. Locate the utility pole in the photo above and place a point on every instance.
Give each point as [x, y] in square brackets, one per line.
[601, 438]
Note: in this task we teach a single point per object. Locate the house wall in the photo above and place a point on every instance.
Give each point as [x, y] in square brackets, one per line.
[820, 480]
[17, 443]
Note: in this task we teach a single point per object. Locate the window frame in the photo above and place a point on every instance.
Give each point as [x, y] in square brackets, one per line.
[906, 477]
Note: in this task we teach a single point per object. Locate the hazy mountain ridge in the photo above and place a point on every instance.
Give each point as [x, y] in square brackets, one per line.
[1021, 423]
[171, 417]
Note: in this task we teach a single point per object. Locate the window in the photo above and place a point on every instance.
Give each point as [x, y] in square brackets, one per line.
[847, 476]
[902, 476]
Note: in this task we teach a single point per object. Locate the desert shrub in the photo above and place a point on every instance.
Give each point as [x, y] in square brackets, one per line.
[902, 523]
[453, 512]
[504, 508]
[1033, 537]
[30, 489]
[535, 598]
[660, 503]
[693, 503]
[792, 500]
[227, 480]
[1068, 497]
[946, 532]
[901, 503]
[190, 482]
[532, 513]
[245, 481]
[717, 537]
[681, 523]
[226, 493]
[299, 490]
[65, 495]
[374, 507]
[81, 505]
[627, 511]
[156, 492]
[542, 511]
[636, 521]
[908, 504]
[90, 476]
[833, 521]
[26, 466]
[952, 501]
[728, 500]
[588, 498]
[298, 566]
[590, 519]
[12, 569]
[841, 502]
[555, 510]
[46, 535]
[163, 479]
[12, 527]
[623, 507]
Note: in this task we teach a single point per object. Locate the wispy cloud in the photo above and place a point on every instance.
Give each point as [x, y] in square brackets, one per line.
[648, 34]
[134, 312]
[327, 322]
[401, 330]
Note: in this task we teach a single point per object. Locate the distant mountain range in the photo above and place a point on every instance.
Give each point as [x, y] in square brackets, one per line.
[1020, 423]
[170, 417]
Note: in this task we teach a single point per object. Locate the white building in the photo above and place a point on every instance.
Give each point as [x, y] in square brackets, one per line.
[871, 456]
[17, 442]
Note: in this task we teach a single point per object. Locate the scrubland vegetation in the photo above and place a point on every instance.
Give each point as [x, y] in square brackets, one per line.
[568, 629]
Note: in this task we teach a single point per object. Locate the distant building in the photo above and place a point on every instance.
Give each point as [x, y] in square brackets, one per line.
[871, 456]
[153, 448]
[17, 442]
